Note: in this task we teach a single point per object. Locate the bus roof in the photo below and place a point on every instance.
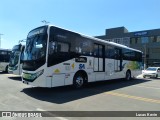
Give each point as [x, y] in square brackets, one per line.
[99, 40]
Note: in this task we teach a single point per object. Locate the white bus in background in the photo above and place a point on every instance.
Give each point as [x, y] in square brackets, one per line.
[4, 59]
[15, 63]
[54, 56]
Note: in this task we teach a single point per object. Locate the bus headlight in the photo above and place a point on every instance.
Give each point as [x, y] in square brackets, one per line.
[31, 77]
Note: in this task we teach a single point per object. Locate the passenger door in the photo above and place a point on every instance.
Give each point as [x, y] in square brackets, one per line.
[99, 61]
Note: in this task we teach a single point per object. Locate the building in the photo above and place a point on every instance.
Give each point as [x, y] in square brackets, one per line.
[148, 41]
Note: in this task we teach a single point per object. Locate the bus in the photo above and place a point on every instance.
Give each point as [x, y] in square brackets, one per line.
[54, 56]
[4, 59]
[15, 63]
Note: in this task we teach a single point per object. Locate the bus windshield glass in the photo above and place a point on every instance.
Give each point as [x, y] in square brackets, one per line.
[36, 44]
[14, 57]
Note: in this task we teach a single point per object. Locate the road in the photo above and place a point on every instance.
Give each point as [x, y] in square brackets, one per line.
[116, 95]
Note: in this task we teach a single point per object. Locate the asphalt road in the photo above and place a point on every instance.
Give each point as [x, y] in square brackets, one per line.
[116, 95]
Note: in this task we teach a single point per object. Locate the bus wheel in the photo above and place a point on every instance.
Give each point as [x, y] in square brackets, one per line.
[78, 80]
[6, 70]
[128, 75]
[157, 76]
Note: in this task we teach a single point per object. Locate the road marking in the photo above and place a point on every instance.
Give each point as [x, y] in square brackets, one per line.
[12, 75]
[146, 86]
[51, 114]
[133, 97]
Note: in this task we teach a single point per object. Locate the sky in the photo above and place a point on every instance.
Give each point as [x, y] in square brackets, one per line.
[89, 17]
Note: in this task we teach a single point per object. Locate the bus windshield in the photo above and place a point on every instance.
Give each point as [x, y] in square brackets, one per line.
[35, 45]
[14, 57]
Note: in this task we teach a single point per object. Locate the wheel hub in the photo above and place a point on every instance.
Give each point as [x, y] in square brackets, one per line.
[79, 81]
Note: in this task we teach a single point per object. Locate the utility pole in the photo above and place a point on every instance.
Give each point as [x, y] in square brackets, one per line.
[45, 22]
[0, 39]
[145, 55]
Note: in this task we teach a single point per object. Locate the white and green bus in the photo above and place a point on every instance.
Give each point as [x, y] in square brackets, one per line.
[4, 59]
[54, 56]
[15, 63]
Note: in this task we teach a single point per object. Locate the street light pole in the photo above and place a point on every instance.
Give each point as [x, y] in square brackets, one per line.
[145, 55]
[0, 39]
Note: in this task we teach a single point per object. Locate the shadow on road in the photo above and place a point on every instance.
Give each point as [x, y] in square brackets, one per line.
[65, 94]
[18, 78]
[3, 72]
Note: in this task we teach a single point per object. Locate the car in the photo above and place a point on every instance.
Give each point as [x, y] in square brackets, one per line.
[151, 72]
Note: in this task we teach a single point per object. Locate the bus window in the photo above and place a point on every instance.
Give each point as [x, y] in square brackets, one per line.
[96, 54]
[62, 47]
[52, 46]
[82, 46]
[58, 52]
[110, 52]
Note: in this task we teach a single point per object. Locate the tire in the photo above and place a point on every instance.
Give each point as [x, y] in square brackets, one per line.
[6, 70]
[156, 76]
[128, 75]
[78, 81]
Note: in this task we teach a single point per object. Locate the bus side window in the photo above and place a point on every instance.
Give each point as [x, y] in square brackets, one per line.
[62, 47]
[59, 48]
[51, 47]
[96, 50]
[110, 52]
[117, 54]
